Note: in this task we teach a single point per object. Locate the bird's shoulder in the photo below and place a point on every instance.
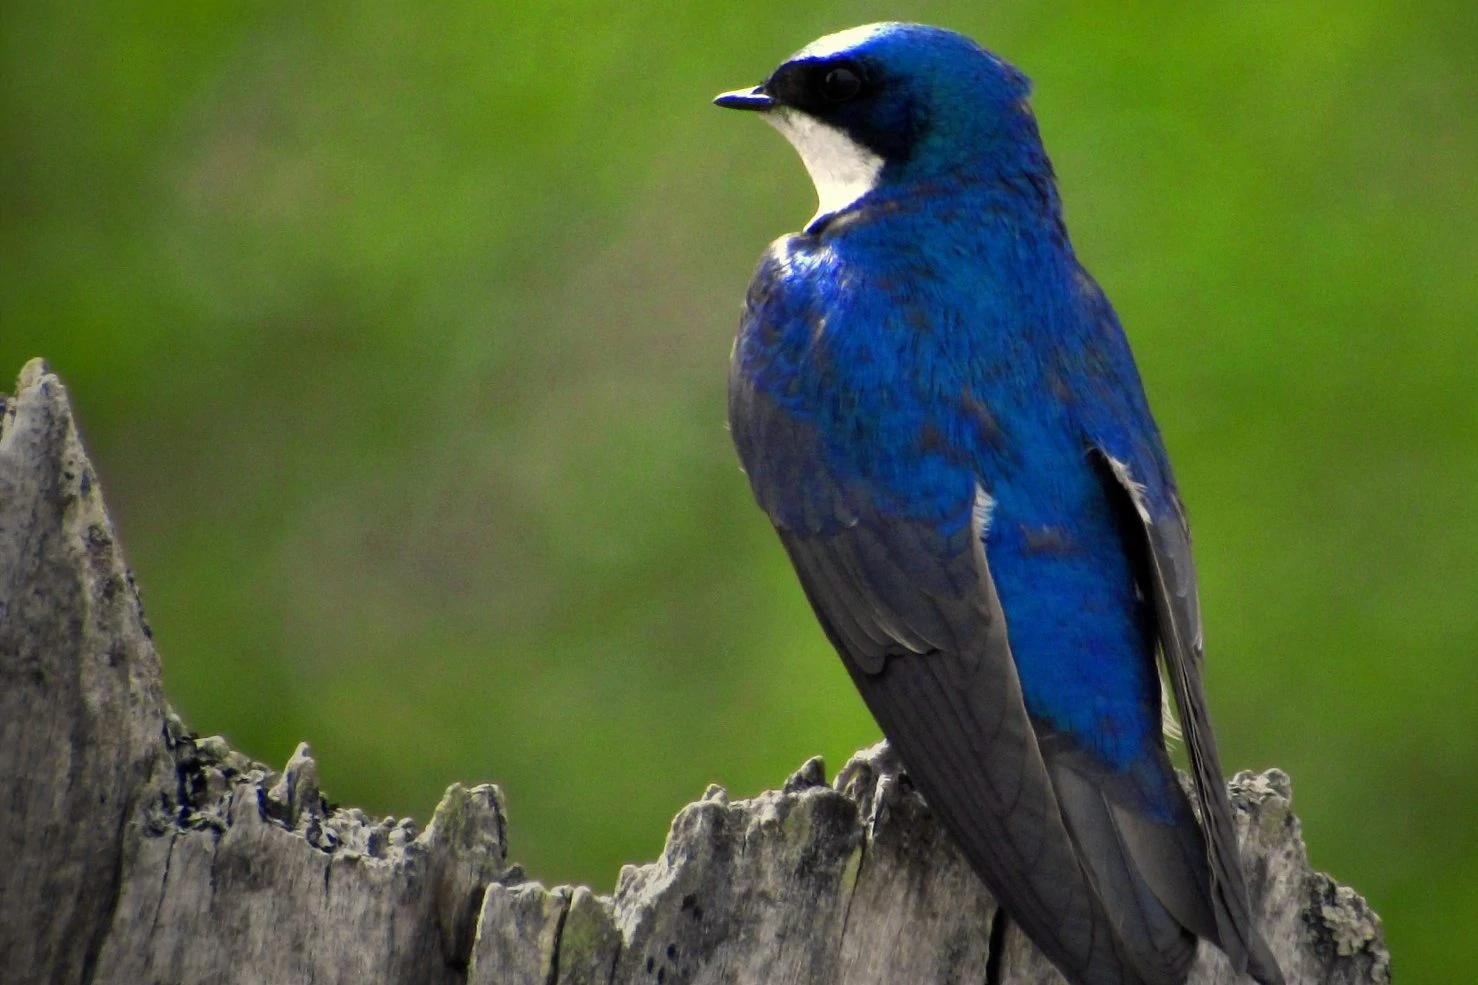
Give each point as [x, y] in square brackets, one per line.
[831, 422]
[801, 288]
[789, 268]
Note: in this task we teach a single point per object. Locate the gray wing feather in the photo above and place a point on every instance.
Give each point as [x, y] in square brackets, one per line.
[1172, 582]
[915, 616]
[919, 626]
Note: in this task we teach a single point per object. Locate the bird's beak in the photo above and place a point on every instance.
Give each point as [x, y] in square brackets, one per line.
[756, 98]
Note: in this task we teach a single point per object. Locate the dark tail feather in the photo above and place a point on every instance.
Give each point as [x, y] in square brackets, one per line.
[1153, 887]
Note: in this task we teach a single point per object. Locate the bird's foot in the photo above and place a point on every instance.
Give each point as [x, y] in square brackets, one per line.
[873, 777]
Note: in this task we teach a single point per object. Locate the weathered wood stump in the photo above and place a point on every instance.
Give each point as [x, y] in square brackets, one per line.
[138, 852]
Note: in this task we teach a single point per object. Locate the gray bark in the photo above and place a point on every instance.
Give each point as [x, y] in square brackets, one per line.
[137, 852]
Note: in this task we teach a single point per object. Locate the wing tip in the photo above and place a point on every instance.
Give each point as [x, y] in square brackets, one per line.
[1258, 960]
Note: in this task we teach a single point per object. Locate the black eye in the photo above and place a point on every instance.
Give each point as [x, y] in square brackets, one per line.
[840, 85]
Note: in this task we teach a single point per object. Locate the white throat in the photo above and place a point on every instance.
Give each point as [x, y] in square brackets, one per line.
[841, 169]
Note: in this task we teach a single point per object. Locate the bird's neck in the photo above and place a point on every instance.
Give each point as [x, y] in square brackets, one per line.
[985, 252]
[975, 201]
[1000, 233]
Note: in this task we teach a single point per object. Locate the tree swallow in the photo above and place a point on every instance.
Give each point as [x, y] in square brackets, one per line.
[937, 408]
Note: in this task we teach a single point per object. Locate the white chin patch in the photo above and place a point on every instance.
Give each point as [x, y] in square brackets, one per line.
[841, 169]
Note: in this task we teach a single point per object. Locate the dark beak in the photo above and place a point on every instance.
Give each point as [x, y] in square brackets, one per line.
[756, 98]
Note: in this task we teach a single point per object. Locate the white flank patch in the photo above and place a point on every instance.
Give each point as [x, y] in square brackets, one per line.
[1168, 722]
[1135, 489]
[982, 509]
[841, 169]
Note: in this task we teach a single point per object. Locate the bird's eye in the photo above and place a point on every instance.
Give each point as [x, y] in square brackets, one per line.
[840, 85]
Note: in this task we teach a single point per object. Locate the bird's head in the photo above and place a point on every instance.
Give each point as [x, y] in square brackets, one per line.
[890, 104]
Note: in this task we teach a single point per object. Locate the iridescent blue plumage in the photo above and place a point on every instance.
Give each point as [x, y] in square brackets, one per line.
[937, 408]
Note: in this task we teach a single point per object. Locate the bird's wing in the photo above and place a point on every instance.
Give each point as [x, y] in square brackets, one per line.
[915, 616]
[911, 607]
[1170, 580]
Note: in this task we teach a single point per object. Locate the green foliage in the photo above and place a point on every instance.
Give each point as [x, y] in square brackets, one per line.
[399, 335]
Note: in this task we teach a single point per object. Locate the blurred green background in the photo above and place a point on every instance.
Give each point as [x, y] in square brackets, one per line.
[399, 334]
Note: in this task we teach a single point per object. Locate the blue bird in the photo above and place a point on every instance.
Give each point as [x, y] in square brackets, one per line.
[937, 408]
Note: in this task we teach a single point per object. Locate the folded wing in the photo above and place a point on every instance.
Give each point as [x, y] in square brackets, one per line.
[916, 619]
[911, 608]
[1170, 579]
